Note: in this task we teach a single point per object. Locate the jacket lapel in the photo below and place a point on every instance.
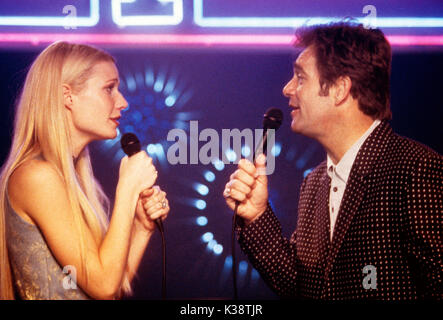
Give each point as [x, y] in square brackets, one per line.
[356, 186]
[322, 220]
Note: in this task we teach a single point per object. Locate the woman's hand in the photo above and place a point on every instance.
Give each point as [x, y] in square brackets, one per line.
[137, 173]
[151, 205]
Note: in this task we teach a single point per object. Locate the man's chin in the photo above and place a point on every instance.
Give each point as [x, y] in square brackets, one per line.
[295, 127]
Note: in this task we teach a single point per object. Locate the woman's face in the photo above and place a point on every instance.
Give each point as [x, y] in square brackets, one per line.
[96, 109]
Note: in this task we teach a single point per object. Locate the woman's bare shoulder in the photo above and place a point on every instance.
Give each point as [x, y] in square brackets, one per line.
[31, 184]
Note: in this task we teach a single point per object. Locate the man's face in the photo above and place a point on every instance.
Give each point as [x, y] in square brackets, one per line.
[311, 112]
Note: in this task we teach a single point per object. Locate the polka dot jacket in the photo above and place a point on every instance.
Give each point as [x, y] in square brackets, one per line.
[387, 242]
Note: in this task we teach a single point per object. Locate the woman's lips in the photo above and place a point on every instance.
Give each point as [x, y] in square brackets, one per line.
[115, 120]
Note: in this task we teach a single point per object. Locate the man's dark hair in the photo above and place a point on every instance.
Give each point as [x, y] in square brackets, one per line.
[364, 55]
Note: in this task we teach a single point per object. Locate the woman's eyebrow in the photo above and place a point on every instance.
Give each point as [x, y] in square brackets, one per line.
[113, 80]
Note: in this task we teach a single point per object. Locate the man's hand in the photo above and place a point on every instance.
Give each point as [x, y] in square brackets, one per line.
[249, 186]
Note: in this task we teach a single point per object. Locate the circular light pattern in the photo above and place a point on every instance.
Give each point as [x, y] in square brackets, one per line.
[208, 236]
[245, 151]
[218, 164]
[151, 149]
[209, 176]
[211, 244]
[231, 155]
[200, 204]
[218, 249]
[202, 221]
[151, 98]
[201, 188]
[169, 101]
[276, 149]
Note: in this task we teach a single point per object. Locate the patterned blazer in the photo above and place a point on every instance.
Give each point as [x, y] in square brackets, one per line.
[387, 241]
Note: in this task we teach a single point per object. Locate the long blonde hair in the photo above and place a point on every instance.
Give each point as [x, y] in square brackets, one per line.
[41, 129]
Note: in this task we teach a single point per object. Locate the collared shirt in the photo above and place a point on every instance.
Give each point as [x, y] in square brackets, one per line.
[339, 175]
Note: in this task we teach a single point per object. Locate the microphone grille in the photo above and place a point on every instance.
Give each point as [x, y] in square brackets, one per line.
[272, 119]
[130, 144]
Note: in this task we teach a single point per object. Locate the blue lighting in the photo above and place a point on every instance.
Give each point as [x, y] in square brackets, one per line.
[158, 86]
[155, 150]
[201, 188]
[294, 22]
[276, 149]
[231, 155]
[152, 149]
[228, 262]
[306, 172]
[200, 204]
[242, 267]
[136, 116]
[149, 78]
[130, 83]
[208, 236]
[202, 221]
[218, 164]
[218, 249]
[211, 244]
[147, 20]
[180, 125]
[209, 176]
[245, 151]
[170, 101]
[254, 274]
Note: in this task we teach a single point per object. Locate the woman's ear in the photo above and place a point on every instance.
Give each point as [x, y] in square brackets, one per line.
[67, 96]
[342, 89]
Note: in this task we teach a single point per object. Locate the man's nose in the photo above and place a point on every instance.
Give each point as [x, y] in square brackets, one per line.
[288, 89]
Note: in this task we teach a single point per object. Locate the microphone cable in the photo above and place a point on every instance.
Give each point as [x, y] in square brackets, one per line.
[131, 145]
[272, 119]
[234, 262]
[159, 224]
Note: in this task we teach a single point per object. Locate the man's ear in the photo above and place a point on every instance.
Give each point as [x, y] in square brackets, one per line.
[342, 89]
[67, 96]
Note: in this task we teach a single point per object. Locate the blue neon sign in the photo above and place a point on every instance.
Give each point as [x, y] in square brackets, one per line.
[225, 14]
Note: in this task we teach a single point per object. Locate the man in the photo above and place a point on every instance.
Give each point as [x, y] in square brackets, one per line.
[370, 215]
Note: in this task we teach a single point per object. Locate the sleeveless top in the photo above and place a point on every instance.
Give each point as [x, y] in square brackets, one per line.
[36, 273]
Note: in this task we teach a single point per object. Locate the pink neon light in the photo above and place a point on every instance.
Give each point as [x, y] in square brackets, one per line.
[192, 40]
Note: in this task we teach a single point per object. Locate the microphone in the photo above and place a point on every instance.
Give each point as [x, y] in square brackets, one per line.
[131, 145]
[272, 119]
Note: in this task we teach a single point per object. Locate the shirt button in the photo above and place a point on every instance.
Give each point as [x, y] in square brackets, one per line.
[335, 189]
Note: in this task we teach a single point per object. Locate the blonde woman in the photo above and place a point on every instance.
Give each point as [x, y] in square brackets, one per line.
[53, 213]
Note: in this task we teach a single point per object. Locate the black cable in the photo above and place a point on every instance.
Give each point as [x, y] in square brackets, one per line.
[159, 224]
[234, 260]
